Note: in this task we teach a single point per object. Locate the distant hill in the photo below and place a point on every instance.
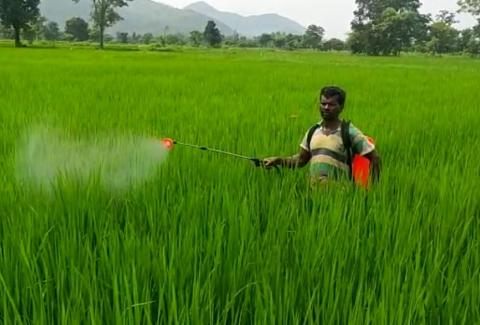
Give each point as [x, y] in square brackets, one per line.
[141, 16]
[249, 25]
[147, 16]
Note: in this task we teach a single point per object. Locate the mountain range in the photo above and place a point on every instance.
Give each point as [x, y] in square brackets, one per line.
[147, 16]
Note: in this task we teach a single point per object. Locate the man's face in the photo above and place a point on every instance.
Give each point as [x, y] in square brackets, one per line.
[330, 109]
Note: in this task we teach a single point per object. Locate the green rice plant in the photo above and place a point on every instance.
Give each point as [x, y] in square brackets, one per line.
[204, 238]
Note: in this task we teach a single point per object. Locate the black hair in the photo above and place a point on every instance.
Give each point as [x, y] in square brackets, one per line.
[331, 91]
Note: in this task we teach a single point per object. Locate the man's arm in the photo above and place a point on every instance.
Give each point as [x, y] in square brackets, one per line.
[375, 163]
[297, 161]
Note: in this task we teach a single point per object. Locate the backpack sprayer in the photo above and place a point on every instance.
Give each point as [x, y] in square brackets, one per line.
[360, 166]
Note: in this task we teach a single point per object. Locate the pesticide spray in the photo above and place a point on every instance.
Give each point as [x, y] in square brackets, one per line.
[46, 157]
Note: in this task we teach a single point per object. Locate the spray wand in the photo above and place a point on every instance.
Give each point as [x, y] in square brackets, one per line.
[170, 143]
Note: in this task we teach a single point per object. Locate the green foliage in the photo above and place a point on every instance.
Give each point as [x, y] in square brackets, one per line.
[313, 37]
[265, 40]
[394, 31]
[19, 15]
[470, 41]
[78, 28]
[334, 44]
[444, 38]
[136, 38]
[175, 39]
[196, 38]
[51, 32]
[470, 6]
[471, 38]
[6, 32]
[446, 17]
[147, 38]
[385, 27]
[122, 37]
[212, 35]
[293, 42]
[104, 14]
[29, 34]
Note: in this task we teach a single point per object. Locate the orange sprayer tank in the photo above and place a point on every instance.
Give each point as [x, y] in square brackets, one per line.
[361, 168]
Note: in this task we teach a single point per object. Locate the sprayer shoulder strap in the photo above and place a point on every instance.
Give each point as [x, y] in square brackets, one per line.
[345, 130]
[310, 134]
[347, 143]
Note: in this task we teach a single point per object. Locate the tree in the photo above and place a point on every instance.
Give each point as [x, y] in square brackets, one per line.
[293, 42]
[51, 31]
[279, 40]
[136, 38]
[386, 26]
[5, 32]
[78, 28]
[196, 38]
[464, 39]
[245, 42]
[18, 15]
[334, 44]
[313, 37]
[104, 14]
[175, 39]
[446, 17]
[233, 39]
[444, 38]
[394, 31]
[35, 30]
[469, 40]
[212, 35]
[265, 40]
[122, 37]
[470, 6]
[474, 46]
[147, 38]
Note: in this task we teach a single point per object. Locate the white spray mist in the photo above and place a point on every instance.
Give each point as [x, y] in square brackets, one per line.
[44, 157]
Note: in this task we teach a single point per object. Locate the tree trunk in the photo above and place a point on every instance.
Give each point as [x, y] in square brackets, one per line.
[102, 30]
[17, 37]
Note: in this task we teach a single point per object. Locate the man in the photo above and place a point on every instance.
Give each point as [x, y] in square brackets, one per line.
[326, 150]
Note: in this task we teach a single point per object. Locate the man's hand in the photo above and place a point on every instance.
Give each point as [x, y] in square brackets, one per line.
[375, 165]
[297, 161]
[272, 162]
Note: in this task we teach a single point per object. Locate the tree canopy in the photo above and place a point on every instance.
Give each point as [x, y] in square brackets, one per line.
[470, 6]
[18, 15]
[387, 26]
[104, 14]
[211, 34]
[77, 28]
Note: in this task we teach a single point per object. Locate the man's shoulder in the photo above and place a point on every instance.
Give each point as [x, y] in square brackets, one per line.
[353, 130]
[313, 128]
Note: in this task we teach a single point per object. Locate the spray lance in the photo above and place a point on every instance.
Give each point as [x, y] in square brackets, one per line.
[170, 143]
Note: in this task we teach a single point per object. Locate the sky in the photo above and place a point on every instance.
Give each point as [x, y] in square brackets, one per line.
[333, 15]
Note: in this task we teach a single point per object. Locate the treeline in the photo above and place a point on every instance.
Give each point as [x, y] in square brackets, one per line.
[379, 27]
[313, 38]
[78, 30]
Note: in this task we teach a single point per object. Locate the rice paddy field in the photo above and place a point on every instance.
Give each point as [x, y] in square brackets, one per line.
[99, 224]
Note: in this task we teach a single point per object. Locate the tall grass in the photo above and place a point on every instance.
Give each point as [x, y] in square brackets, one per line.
[209, 239]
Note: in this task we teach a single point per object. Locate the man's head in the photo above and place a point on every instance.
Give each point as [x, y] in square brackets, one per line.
[332, 100]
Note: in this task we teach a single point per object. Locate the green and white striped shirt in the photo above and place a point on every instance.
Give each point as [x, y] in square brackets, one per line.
[328, 152]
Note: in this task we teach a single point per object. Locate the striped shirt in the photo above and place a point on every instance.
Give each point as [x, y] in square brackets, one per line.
[328, 152]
